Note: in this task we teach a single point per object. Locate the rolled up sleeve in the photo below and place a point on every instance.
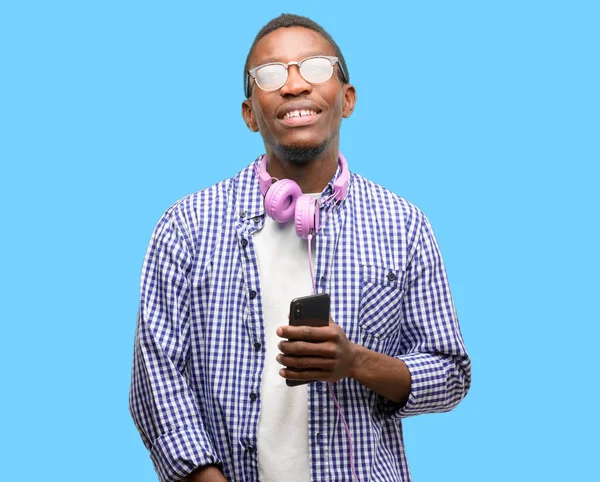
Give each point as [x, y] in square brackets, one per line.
[432, 344]
[163, 406]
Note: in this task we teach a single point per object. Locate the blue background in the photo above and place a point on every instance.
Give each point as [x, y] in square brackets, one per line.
[486, 115]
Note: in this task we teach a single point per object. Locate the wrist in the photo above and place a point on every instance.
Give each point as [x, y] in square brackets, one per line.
[206, 473]
[357, 359]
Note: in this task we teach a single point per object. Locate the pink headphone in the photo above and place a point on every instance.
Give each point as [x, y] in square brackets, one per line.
[284, 199]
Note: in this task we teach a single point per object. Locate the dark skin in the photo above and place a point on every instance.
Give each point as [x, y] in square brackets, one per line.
[209, 473]
[317, 353]
[332, 99]
[325, 354]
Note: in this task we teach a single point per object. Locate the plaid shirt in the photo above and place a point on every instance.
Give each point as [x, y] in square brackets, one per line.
[199, 344]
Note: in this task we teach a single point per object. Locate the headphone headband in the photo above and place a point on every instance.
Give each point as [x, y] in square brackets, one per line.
[284, 199]
[340, 185]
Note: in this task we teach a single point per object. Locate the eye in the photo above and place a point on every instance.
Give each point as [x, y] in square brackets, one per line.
[317, 69]
[271, 74]
[312, 66]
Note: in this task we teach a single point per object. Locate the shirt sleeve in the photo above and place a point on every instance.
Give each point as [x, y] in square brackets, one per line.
[163, 406]
[432, 344]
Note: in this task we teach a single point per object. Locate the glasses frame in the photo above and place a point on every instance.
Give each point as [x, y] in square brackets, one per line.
[252, 72]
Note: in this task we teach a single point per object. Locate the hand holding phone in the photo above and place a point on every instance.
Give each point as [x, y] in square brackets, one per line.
[309, 311]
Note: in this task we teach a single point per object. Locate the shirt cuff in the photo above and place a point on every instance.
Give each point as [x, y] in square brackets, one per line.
[428, 386]
[178, 453]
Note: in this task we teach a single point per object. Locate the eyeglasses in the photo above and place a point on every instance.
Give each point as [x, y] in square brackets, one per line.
[273, 76]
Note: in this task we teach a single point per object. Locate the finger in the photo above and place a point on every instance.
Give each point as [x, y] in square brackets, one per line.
[307, 333]
[309, 349]
[306, 363]
[312, 375]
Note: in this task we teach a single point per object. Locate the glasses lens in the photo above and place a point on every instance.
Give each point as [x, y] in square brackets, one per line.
[271, 77]
[316, 70]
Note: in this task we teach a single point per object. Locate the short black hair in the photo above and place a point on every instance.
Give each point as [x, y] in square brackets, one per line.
[290, 20]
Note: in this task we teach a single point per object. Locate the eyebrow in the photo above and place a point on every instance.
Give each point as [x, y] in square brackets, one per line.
[301, 56]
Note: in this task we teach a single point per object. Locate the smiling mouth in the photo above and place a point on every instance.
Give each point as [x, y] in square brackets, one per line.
[299, 113]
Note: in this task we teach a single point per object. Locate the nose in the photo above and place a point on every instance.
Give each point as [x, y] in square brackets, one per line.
[295, 83]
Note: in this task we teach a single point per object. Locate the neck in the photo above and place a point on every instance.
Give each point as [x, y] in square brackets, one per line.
[312, 175]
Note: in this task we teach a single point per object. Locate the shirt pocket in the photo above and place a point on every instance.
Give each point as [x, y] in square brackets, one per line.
[380, 309]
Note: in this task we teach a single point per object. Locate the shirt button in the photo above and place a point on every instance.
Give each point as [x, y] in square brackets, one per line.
[250, 449]
[256, 220]
[243, 214]
[391, 276]
[252, 294]
[257, 346]
[253, 396]
[244, 242]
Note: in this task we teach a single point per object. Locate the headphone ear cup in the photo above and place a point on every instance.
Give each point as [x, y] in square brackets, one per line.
[280, 200]
[307, 216]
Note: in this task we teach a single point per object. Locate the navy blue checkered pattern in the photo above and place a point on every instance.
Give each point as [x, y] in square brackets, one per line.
[199, 344]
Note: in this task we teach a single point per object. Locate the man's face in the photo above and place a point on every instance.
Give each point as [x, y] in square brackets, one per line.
[272, 113]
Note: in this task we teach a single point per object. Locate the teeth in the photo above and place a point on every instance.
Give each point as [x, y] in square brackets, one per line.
[299, 113]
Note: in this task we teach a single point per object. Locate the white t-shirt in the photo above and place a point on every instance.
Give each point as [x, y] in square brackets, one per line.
[283, 424]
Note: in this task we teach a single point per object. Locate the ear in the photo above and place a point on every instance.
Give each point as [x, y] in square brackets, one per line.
[349, 100]
[248, 115]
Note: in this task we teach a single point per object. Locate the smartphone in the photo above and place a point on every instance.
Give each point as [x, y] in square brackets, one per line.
[309, 311]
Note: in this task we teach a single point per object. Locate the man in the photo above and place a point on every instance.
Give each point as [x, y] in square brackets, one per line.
[213, 345]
